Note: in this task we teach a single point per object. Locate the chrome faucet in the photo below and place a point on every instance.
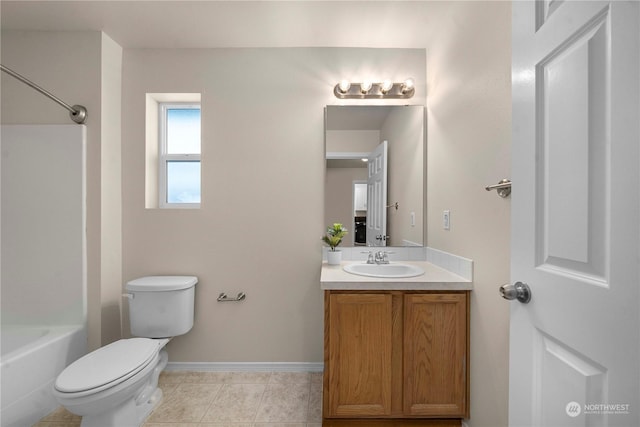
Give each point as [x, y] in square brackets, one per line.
[381, 257]
[370, 258]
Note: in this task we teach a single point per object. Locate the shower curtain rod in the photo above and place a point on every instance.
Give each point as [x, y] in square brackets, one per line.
[77, 113]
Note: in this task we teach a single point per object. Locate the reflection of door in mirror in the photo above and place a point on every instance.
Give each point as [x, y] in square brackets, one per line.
[377, 196]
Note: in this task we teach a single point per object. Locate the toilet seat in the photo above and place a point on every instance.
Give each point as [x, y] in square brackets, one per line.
[108, 366]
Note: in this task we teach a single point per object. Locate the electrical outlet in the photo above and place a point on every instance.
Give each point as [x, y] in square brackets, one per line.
[413, 219]
[446, 220]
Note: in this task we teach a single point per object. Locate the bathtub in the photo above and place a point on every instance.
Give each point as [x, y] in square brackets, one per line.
[31, 359]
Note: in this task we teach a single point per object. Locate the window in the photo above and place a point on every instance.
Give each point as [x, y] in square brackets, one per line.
[179, 155]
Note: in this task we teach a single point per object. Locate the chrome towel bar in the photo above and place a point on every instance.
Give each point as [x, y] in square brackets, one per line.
[224, 298]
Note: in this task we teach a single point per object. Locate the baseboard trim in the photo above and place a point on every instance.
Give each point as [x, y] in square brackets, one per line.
[246, 366]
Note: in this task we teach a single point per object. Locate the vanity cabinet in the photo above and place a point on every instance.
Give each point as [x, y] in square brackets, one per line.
[396, 355]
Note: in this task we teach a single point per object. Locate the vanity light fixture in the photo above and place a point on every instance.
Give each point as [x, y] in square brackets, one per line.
[370, 90]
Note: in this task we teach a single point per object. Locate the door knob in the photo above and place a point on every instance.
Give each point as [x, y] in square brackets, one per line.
[519, 291]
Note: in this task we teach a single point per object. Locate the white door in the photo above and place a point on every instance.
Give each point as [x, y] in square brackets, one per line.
[377, 196]
[574, 348]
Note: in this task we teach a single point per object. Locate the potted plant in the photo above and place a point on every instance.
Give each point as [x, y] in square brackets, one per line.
[333, 237]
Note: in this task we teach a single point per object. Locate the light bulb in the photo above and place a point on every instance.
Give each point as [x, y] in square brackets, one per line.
[408, 85]
[344, 86]
[365, 86]
[386, 86]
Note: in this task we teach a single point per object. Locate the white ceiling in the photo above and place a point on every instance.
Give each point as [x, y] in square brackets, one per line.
[207, 24]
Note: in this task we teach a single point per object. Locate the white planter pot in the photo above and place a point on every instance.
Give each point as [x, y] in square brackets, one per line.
[334, 257]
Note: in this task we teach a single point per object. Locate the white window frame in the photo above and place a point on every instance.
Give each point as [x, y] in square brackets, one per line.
[164, 158]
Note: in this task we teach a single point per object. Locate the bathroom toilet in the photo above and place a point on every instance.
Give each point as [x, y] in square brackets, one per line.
[117, 385]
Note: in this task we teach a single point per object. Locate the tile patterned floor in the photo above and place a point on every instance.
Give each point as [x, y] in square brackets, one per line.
[228, 399]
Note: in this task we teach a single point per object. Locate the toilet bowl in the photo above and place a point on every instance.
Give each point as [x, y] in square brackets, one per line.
[117, 385]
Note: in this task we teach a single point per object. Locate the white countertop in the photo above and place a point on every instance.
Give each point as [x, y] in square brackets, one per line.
[333, 277]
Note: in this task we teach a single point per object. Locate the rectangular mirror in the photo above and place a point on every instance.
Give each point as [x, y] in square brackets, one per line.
[375, 173]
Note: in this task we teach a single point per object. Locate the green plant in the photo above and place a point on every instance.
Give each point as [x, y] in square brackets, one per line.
[334, 235]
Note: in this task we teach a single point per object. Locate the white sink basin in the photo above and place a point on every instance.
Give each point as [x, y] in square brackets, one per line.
[393, 270]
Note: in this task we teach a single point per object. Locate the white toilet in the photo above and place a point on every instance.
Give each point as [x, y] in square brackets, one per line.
[117, 385]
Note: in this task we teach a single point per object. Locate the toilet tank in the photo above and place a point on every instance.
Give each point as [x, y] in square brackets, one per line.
[161, 306]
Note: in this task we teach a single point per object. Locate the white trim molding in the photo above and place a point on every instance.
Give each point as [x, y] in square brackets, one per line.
[246, 366]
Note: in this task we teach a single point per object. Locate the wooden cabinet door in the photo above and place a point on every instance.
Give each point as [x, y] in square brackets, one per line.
[435, 355]
[360, 338]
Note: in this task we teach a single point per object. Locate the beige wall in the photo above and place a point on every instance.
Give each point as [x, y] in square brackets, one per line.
[469, 143]
[261, 218]
[111, 192]
[80, 68]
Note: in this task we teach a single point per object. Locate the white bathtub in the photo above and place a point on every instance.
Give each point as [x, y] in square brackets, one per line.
[32, 357]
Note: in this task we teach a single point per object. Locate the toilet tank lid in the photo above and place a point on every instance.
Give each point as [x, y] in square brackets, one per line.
[161, 283]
